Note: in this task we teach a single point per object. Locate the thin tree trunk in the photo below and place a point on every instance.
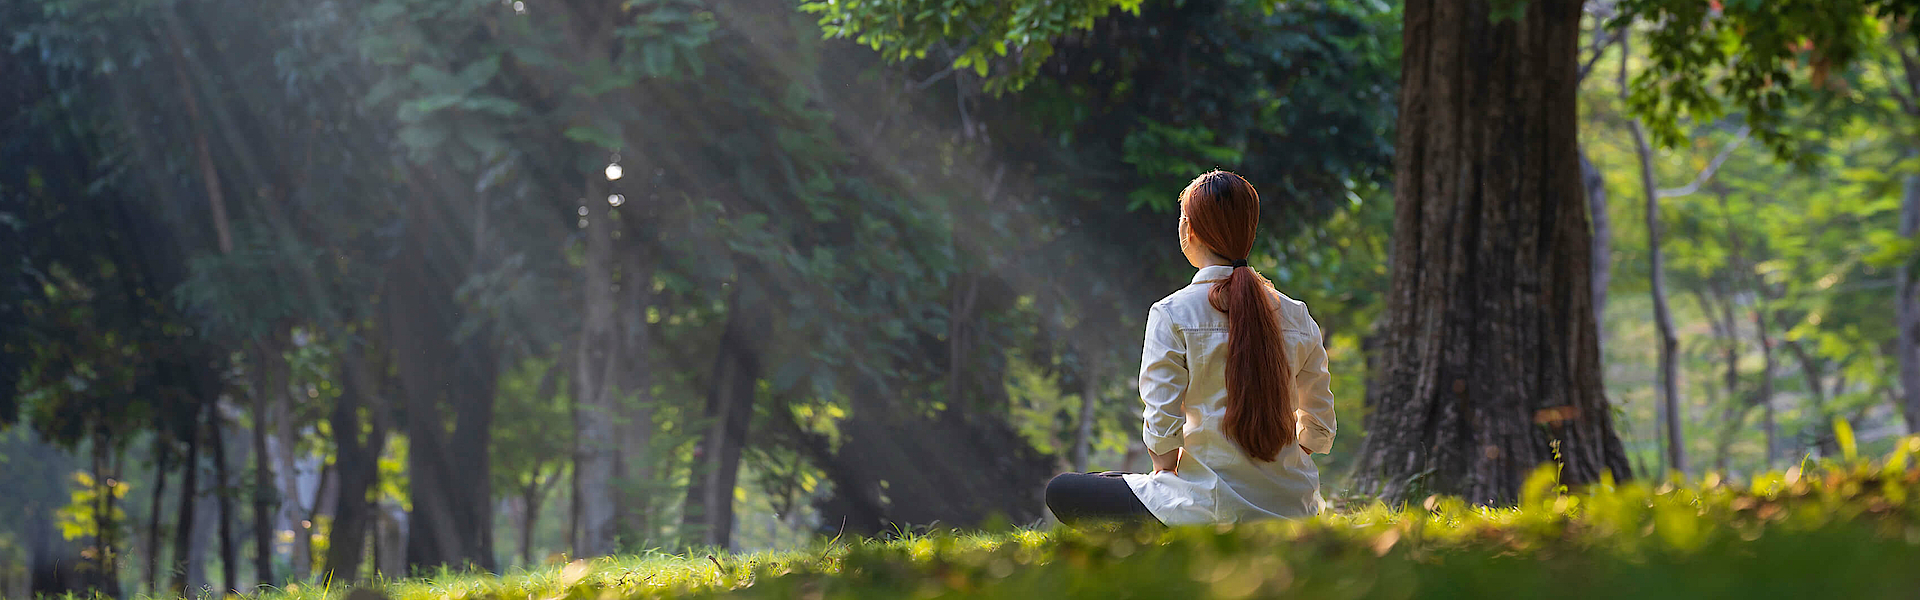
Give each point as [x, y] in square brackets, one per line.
[264, 492]
[298, 516]
[1811, 370]
[183, 523]
[1732, 414]
[1602, 240]
[709, 507]
[1907, 309]
[162, 453]
[530, 517]
[1089, 398]
[356, 467]
[1672, 419]
[595, 396]
[1492, 351]
[1764, 397]
[107, 577]
[229, 554]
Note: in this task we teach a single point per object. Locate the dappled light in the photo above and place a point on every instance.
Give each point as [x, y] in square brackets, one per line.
[412, 299]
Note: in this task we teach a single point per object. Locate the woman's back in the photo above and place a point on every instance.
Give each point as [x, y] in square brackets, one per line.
[1183, 381]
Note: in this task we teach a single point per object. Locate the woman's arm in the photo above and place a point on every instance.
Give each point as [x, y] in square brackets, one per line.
[1169, 462]
[1163, 387]
[1315, 394]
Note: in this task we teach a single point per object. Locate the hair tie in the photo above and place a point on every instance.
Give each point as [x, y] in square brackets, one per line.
[1239, 263]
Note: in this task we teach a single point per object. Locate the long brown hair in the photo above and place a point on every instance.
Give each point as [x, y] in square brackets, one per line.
[1222, 210]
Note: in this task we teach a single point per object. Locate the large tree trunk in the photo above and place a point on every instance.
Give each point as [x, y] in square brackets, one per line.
[1668, 345]
[1907, 310]
[596, 396]
[1492, 353]
[736, 369]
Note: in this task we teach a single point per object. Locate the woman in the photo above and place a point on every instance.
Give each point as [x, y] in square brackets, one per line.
[1235, 384]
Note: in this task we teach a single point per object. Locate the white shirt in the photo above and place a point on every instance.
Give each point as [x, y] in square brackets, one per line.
[1183, 383]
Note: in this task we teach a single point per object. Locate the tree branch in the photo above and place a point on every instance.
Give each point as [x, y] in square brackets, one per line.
[1907, 63]
[1600, 46]
[1712, 167]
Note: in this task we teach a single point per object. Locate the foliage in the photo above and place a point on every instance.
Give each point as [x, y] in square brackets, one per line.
[1766, 57]
[1848, 527]
[81, 516]
[978, 33]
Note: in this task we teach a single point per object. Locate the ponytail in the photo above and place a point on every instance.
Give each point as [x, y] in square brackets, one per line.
[1259, 377]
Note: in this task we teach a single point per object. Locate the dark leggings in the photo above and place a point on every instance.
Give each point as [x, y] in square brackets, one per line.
[1081, 497]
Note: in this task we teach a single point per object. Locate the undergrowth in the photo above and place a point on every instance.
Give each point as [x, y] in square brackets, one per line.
[1840, 529]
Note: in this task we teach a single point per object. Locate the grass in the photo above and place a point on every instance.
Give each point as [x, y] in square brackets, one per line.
[1847, 529]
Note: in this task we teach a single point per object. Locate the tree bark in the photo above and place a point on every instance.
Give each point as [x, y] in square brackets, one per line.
[736, 372]
[1492, 356]
[595, 395]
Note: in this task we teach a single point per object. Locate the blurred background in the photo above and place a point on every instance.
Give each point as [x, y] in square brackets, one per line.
[302, 288]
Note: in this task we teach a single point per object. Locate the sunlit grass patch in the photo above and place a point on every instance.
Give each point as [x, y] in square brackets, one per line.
[1846, 529]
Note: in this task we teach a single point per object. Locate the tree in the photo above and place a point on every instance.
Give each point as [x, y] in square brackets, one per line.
[1758, 49]
[1492, 353]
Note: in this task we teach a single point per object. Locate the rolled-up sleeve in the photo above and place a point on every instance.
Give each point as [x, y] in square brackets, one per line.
[1313, 386]
[1163, 383]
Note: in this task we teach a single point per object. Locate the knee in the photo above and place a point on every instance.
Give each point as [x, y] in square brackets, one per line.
[1057, 490]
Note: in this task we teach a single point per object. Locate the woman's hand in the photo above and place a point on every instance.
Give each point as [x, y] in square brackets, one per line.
[1169, 462]
[1308, 451]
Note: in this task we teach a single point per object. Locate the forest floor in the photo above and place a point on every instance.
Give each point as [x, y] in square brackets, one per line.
[1844, 529]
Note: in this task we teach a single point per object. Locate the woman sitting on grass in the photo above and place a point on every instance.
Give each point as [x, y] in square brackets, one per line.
[1235, 383]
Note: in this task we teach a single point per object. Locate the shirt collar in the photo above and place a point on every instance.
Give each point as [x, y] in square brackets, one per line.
[1209, 273]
